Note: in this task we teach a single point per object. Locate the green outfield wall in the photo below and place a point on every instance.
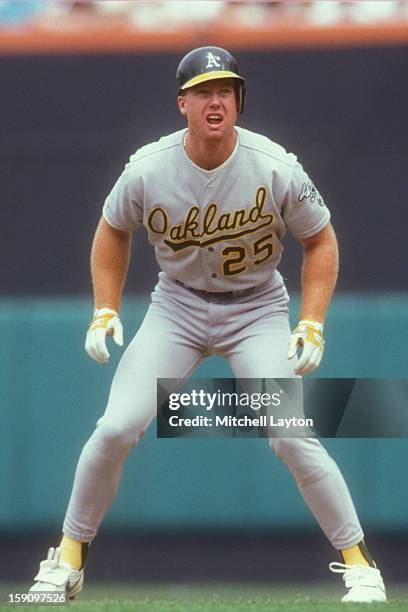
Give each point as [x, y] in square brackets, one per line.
[51, 395]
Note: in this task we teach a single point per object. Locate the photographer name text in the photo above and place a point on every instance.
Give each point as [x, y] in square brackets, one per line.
[239, 421]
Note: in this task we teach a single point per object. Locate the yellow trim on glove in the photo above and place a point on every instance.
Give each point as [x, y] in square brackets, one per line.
[101, 321]
[314, 332]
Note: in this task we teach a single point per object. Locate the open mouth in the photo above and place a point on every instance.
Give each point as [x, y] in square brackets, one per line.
[214, 119]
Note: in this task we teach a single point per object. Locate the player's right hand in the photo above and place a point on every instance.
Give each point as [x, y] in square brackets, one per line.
[105, 322]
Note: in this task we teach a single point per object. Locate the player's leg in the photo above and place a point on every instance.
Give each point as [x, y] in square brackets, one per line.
[260, 350]
[263, 354]
[158, 350]
[162, 348]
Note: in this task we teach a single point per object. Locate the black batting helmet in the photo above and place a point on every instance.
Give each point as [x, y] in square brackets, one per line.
[208, 63]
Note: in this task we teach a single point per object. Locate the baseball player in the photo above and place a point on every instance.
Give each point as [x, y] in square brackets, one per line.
[216, 201]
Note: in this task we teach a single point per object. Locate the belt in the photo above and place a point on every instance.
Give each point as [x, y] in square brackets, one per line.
[216, 294]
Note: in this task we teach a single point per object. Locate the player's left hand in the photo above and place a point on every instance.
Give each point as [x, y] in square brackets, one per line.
[307, 335]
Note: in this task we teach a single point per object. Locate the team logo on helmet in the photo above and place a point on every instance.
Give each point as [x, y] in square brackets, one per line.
[213, 61]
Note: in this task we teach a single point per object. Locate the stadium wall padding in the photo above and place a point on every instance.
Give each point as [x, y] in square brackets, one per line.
[52, 394]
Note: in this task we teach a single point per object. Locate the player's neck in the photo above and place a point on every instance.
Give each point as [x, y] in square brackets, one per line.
[209, 154]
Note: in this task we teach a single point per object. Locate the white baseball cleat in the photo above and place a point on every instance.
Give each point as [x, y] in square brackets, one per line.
[365, 583]
[57, 576]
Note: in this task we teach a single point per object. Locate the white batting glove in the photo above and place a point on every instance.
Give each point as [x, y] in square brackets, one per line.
[307, 335]
[105, 322]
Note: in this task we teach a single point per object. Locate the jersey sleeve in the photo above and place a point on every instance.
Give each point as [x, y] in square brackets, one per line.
[123, 208]
[303, 210]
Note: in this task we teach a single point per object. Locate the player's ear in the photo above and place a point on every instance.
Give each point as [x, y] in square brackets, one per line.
[181, 100]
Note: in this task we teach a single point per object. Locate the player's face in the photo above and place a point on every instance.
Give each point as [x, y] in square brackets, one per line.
[210, 108]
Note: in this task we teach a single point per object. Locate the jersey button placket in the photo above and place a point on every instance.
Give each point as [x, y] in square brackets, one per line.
[210, 251]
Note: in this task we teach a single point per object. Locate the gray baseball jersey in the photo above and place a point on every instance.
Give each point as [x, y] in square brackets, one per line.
[220, 229]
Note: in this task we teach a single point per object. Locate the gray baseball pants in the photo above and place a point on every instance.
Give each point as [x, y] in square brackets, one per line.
[179, 330]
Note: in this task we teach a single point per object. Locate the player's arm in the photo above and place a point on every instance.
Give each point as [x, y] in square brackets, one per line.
[110, 256]
[319, 275]
[109, 264]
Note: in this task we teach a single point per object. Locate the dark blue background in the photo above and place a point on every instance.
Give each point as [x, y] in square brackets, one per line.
[69, 123]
